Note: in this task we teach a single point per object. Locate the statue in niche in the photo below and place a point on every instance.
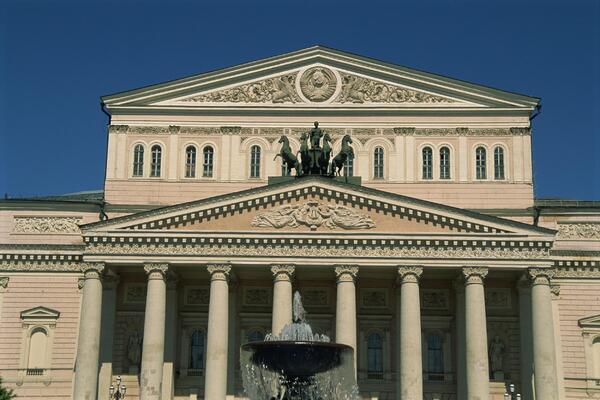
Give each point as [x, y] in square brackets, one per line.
[134, 351]
[497, 350]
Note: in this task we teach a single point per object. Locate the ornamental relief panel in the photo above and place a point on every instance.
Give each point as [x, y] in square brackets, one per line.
[196, 295]
[374, 298]
[47, 225]
[256, 296]
[134, 293]
[315, 297]
[435, 299]
[589, 231]
[497, 298]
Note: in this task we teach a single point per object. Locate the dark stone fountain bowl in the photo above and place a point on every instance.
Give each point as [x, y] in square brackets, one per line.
[297, 359]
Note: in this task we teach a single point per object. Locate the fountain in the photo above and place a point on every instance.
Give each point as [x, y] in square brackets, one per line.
[298, 364]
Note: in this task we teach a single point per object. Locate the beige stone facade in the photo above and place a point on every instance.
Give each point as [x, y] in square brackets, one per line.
[440, 269]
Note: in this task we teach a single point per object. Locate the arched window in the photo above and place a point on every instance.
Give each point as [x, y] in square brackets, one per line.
[480, 163]
[349, 167]
[435, 357]
[207, 163]
[36, 362]
[255, 161]
[156, 161]
[196, 351]
[190, 162]
[256, 336]
[427, 163]
[375, 356]
[444, 163]
[499, 163]
[596, 355]
[138, 160]
[378, 163]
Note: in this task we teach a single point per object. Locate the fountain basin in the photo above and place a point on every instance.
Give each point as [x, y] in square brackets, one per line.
[298, 359]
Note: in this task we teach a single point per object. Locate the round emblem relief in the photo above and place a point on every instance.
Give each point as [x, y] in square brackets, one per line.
[318, 84]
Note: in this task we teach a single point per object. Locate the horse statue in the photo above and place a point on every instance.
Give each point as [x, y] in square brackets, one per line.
[304, 153]
[326, 154]
[346, 153]
[288, 157]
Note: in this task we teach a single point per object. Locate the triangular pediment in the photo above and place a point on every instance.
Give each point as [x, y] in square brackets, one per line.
[316, 205]
[40, 313]
[318, 77]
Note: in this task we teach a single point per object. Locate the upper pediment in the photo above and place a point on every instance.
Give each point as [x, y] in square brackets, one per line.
[315, 205]
[318, 77]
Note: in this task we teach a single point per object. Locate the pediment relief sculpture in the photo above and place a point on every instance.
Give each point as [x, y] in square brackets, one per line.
[313, 214]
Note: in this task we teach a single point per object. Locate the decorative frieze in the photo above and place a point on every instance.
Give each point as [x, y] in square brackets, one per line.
[313, 214]
[435, 299]
[459, 131]
[374, 298]
[579, 231]
[315, 297]
[39, 266]
[254, 296]
[196, 296]
[47, 225]
[578, 271]
[497, 298]
[135, 293]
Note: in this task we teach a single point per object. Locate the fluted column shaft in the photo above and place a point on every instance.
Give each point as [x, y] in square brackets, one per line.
[411, 369]
[88, 344]
[153, 349]
[345, 315]
[282, 297]
[544, 350]
[215, 387]
[478, 383]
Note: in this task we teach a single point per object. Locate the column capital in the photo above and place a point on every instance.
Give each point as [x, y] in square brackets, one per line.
[156, 268]
[283, 271]
[410, 273]
[346, 273]
[219, 271]
[92, 270]
[540, 275]
[474, 274]
[4, 282]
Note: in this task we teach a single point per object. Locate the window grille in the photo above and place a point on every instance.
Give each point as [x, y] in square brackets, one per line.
[255, 162]
[196, 352]
[499, 163]
[207, 165]
[156, 161]
[190, 162]
[480, 163]
[138, 160]
[378, 163]
[444, 163]
[375, 356]
[435, 357]
[427, 163]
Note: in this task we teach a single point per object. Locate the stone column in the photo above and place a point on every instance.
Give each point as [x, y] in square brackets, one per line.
[282, 297]
[107, 332]
[153, 348]
[3, 285]
[478, 382]
[461, 342]
[215, 387]
[88, 344]
[411, 367]
[345, 313]
[168, 380]
[544, 351]
[526, 351]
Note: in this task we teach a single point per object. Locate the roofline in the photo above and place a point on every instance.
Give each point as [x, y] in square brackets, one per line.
[343, 185]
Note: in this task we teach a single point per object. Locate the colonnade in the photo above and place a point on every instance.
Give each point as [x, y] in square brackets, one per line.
[474, 364]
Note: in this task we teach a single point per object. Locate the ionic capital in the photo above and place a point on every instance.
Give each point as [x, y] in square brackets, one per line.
[92, 270]
[283, 271]
[410, 274]
[540, 275]
[474, 274]
[346, 273]
[219, 271]
[156, 270]
[4, 282]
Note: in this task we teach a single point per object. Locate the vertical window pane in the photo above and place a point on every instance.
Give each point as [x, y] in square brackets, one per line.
[207, 165]
[375, 354]
[138, 160]
[480, 163]
[444, 163]
[349, 167]
[156, 160]
[435, 357]
[197, 350]
[427, 163]
[378, 163]
[255, 162]
[190, 162]
[499, 163]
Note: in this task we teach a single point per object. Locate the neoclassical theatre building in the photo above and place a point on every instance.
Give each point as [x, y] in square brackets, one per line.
[429, 256]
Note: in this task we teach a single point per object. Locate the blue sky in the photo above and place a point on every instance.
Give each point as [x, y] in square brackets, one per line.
[58, 57]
